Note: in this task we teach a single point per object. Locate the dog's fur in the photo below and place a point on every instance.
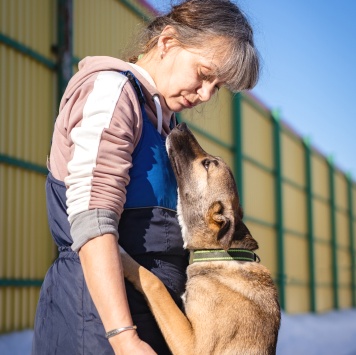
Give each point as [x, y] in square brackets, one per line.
[231, 307]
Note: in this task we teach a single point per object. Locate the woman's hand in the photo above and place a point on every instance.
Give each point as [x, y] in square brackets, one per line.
[128, 343]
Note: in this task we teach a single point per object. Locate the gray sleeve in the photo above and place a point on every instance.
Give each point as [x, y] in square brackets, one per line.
[91, 224]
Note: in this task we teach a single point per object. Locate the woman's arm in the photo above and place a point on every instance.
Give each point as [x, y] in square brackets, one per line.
[103, 273]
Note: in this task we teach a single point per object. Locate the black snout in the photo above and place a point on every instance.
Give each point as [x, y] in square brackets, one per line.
[182, 126]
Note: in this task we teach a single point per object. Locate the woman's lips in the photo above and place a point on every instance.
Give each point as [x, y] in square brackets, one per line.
[187, 103]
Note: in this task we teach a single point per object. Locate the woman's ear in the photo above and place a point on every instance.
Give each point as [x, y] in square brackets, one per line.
[167, 39]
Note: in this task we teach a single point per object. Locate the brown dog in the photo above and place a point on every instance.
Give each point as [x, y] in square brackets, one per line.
[231, 303]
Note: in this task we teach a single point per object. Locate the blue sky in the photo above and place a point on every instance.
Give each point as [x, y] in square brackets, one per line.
[308, 50]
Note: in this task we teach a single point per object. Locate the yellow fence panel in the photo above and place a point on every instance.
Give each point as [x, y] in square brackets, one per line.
[342, 231]
[103, 27]
[26, 246]
[266, 238]
[257, 133]
[259, 194]
[29, 22]
[297, 274]
[341, 197]
[323, 263]
[297, 299]
[294, 215]
[344, 270]
[321, 214]
[26, 119]
[345, 297]
[324, 298]
[324, 290]
[344, 277]
[26, 107]
[320, 176]
[293, 158]
[213, 118]
[297, 264]
[17, 307]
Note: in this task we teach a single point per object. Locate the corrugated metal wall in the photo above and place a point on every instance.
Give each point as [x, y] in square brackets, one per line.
[297, 204]
[26, 118]
[103, 27]
[29, 41]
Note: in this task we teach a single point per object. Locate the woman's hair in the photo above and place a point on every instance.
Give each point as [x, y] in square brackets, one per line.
[197, 23]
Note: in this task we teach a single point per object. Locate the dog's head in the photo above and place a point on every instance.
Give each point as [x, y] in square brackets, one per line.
[209, 210]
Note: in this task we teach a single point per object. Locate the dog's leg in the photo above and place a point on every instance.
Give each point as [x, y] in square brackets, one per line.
[174, 325]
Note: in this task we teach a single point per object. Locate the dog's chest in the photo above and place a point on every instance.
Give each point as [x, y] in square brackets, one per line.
[210, 293]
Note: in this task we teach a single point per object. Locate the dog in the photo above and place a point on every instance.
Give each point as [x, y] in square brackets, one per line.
[231, 303]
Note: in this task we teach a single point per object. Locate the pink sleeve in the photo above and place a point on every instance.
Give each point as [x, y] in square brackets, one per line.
[94, 139]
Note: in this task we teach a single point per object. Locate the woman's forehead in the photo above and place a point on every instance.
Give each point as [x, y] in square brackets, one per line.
[211, 58]
[216, 56]
[212, 54]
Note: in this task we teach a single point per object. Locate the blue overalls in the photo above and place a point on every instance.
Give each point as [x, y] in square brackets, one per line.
[67, 321]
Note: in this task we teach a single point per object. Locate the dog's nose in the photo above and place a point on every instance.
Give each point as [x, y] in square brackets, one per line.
[182, 126]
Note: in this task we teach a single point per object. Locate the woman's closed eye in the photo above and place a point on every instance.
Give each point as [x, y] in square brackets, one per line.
[209, 78]
[205, 76]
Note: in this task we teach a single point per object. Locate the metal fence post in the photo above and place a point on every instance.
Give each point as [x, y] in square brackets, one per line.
[279, 208]
[64, 46]
[352, 238]
[334, 246]
[309, 212]
[238, 145]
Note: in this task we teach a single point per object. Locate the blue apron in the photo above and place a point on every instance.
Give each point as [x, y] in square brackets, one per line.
[67, 321]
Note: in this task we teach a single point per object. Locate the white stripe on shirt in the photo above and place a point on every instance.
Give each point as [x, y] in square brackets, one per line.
[97, 114]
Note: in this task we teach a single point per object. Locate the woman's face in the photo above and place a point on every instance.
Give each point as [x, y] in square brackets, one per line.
[185, 77]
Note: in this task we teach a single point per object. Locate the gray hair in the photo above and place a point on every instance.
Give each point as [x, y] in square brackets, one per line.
[197, 23]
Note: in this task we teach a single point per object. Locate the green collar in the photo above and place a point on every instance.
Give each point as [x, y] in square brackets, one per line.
[223, 255]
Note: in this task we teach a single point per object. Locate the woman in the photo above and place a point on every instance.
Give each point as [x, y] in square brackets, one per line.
[110, 178]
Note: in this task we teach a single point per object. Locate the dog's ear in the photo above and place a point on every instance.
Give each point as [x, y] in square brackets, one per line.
[230, 228]
[221, 224]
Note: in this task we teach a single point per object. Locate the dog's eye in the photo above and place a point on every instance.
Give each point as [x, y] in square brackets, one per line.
[206, 163]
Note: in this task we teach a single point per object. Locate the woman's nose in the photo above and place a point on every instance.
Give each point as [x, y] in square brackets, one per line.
[206, 91]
